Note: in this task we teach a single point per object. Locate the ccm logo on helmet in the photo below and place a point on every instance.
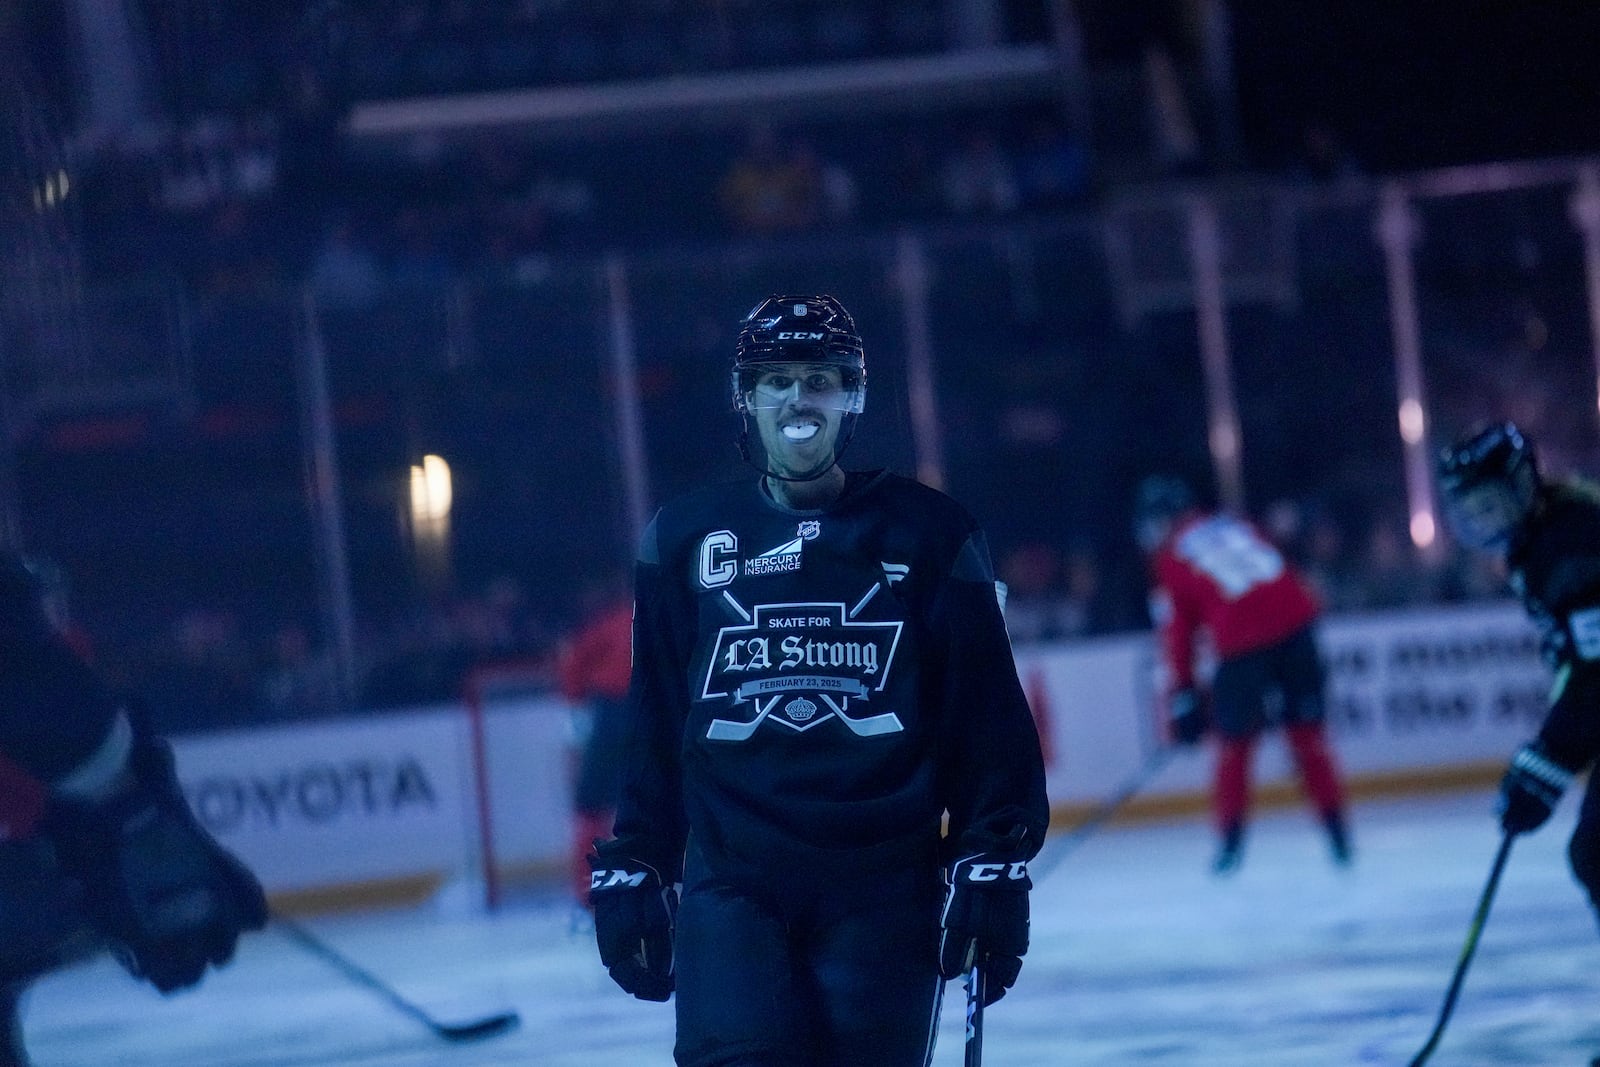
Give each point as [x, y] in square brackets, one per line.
[796, 335]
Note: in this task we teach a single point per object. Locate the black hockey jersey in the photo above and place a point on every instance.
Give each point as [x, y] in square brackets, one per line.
[816, 686]
[1554, 566]
[54, 711]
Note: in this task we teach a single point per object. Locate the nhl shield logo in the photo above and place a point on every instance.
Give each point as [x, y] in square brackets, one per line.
[809, 530]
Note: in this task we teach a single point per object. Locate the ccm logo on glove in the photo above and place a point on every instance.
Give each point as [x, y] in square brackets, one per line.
[993, 872]
[985, 919]
[635, 918]
[617, 879]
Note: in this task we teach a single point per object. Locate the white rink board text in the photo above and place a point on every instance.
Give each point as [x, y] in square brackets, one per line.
[391, 795]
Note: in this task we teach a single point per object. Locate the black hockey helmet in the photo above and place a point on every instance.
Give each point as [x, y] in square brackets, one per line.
[813, 329]
[800, 329]
[1490, 481]
[1157, 503]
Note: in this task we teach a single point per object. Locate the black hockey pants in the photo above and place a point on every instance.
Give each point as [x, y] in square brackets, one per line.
[1583, 850]
[831, 972]
[43, 924]
[42, 927]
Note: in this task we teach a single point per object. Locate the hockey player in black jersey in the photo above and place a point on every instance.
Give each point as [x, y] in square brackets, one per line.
[98, 849]
[1548, 534]
[826, 719]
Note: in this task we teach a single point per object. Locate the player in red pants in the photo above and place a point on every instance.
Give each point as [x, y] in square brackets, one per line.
[593, 671]
[1216, 573]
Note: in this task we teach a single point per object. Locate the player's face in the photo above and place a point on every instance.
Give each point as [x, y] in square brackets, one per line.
[798, 410]
[1485, 516]
[1151, 531]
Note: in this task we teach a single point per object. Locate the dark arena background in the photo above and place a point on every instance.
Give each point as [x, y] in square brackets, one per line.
[348, 346]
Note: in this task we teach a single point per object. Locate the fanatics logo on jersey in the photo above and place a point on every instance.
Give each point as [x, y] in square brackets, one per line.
[813, 659]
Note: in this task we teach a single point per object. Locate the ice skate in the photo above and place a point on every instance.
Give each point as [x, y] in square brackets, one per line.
[1231, 852]
[1338, 839]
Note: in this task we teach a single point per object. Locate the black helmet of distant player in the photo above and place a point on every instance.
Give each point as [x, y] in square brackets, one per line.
[1490, 481]
[1159, 502]
[800, 373]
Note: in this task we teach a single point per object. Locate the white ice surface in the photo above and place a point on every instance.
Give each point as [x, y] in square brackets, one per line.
[1139, 956]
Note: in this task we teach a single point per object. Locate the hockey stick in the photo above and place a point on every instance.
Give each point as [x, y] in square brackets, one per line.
[1042, 866]
[974, 1043]
[729, 730]
[470, 1031]
[1479, 917]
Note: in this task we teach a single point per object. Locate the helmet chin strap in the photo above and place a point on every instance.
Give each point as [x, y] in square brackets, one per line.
[847, 431]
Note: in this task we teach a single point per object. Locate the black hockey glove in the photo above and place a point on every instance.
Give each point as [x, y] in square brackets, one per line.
[1532, 786]
[986, 920]
[634, 916]
[167, 897]
[1190, 719]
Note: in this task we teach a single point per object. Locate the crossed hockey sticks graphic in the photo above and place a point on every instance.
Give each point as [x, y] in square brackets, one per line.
[866, 726]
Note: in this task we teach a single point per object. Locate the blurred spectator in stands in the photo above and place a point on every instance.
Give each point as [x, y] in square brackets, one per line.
[1035, 609]
[593, 668]
[344, 272]
[565, 202]
[1392, 575]
[836, 185]
[1083, 606]
[978, 178]
[254, 165]
[496, 171]
[1323, 156]
[1284, 522]
[299, 682]
[771, 188]
[912, 186]
[237, 255]
[1468, 577]
[509, 246]
[191, 176]
[1052, 166]
[491, 624]
[311, 165]
[427, 654]
[1325, 560]
[420, 264]
[210, 681]
[212, 161]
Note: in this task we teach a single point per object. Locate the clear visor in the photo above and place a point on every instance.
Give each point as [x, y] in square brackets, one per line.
[1485, 516]
[774, 386]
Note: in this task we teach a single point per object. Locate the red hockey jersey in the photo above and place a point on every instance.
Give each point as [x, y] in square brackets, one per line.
[1219, 573]
[597, 661]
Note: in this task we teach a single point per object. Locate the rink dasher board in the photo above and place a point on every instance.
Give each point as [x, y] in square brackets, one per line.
[1416, 692]
[388, 796]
